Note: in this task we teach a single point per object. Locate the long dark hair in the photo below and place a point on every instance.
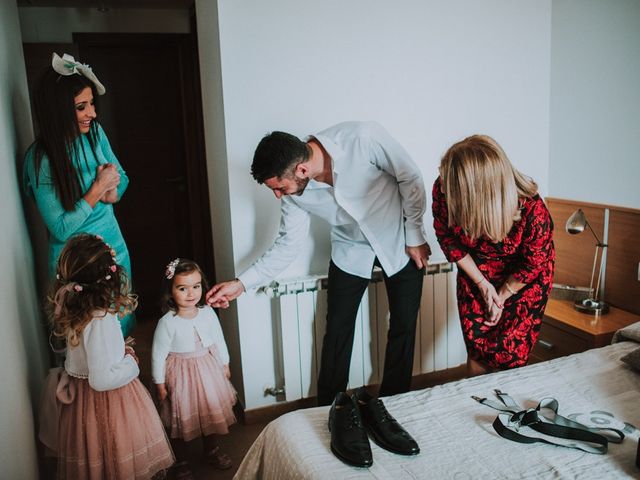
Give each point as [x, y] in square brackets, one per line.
[57, 130]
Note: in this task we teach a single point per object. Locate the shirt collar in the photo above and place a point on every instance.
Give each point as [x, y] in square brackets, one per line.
[335, 152]
[314, 184]
[333, 149]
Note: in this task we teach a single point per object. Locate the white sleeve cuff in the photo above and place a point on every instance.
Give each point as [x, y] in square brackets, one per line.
[414, 235]
[250, 279]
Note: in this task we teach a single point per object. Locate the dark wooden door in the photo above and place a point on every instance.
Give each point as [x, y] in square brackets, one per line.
[152, 116]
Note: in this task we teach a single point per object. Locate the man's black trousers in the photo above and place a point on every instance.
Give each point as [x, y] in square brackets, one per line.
[345, 291]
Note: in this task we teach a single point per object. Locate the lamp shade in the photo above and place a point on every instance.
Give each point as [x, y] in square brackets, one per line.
[576, 222]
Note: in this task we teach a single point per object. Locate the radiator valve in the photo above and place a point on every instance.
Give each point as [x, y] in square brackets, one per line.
[273, 391]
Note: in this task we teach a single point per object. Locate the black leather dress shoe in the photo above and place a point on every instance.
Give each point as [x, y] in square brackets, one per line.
[349, 441]
[383, 428]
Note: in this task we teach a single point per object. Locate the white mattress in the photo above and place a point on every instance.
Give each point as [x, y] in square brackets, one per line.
[455, 434]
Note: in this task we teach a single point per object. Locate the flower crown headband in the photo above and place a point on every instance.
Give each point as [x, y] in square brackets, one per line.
[67, 65]
[69, 285]
[171, 268]
[77, 286]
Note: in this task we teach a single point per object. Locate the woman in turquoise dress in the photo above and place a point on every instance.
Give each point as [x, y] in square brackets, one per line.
[71, 170]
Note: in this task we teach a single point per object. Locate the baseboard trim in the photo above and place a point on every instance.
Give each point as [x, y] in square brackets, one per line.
[271, 412]
[418, 382]
[426, 380]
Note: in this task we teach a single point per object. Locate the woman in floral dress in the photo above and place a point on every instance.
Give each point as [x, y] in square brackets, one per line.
[490, 221]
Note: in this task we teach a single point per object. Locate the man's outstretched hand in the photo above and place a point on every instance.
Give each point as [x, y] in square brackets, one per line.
[222, 293]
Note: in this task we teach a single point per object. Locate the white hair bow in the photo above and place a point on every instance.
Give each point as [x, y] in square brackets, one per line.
[67, 65]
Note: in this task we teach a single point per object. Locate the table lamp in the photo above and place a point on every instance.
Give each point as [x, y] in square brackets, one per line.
[576, 223]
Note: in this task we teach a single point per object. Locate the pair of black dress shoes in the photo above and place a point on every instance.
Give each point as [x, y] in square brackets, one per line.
[351, 417]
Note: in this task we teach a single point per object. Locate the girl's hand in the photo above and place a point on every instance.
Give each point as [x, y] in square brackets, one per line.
[227, 372]
[489, 294]
[162, 391]
[128, 350]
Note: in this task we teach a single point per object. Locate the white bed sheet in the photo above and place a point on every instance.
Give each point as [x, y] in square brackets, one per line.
[455, 434]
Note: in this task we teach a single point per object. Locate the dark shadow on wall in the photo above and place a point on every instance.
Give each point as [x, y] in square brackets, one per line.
[36, 229]
[28, 269]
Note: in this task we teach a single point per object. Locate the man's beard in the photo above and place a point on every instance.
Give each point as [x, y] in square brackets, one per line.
[301, 183]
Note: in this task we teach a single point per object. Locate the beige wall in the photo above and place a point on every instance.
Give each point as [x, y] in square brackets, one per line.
[22, 346]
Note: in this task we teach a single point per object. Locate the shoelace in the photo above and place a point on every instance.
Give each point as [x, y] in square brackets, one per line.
[354, 419]
[386, 417]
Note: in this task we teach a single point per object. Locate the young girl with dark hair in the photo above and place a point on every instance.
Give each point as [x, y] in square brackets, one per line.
[107, 426]
[70, 169]
[190, 367]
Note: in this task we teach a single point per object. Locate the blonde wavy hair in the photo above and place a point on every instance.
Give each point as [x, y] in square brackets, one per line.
[482, 188]
[88, 281]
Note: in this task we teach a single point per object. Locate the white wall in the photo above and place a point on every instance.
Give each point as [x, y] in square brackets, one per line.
[595, 101]
[432, 72]
[56, 25]
[218, 173]
[22, 349]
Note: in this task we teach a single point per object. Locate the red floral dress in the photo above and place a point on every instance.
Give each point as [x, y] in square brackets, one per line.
[528, 254]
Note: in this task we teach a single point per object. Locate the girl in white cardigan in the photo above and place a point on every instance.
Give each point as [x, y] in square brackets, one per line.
[107, 425]
[190, 367]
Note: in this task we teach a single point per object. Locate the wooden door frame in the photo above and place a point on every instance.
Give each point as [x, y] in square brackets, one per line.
[193, 126]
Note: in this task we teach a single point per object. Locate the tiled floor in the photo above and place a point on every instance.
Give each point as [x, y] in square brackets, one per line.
[235, 444]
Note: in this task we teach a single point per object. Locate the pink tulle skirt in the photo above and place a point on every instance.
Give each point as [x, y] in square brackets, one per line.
[201, 398]
[114, 434]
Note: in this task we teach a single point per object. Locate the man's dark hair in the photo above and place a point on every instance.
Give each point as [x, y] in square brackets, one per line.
[276, 154]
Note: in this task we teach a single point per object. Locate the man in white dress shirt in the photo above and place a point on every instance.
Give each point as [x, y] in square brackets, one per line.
[360, 180]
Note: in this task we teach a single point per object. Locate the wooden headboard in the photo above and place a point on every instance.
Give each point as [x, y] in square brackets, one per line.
[574, 253]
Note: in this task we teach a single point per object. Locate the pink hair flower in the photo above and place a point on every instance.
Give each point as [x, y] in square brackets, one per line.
[77, 288]
[113, 268]
[171, 268]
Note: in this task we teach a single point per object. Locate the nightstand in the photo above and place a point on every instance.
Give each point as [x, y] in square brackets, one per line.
[565, 330]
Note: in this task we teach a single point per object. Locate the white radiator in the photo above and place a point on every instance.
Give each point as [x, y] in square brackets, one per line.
[301, 307]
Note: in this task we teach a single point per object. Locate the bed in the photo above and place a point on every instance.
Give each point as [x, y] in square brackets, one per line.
[455, 432]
